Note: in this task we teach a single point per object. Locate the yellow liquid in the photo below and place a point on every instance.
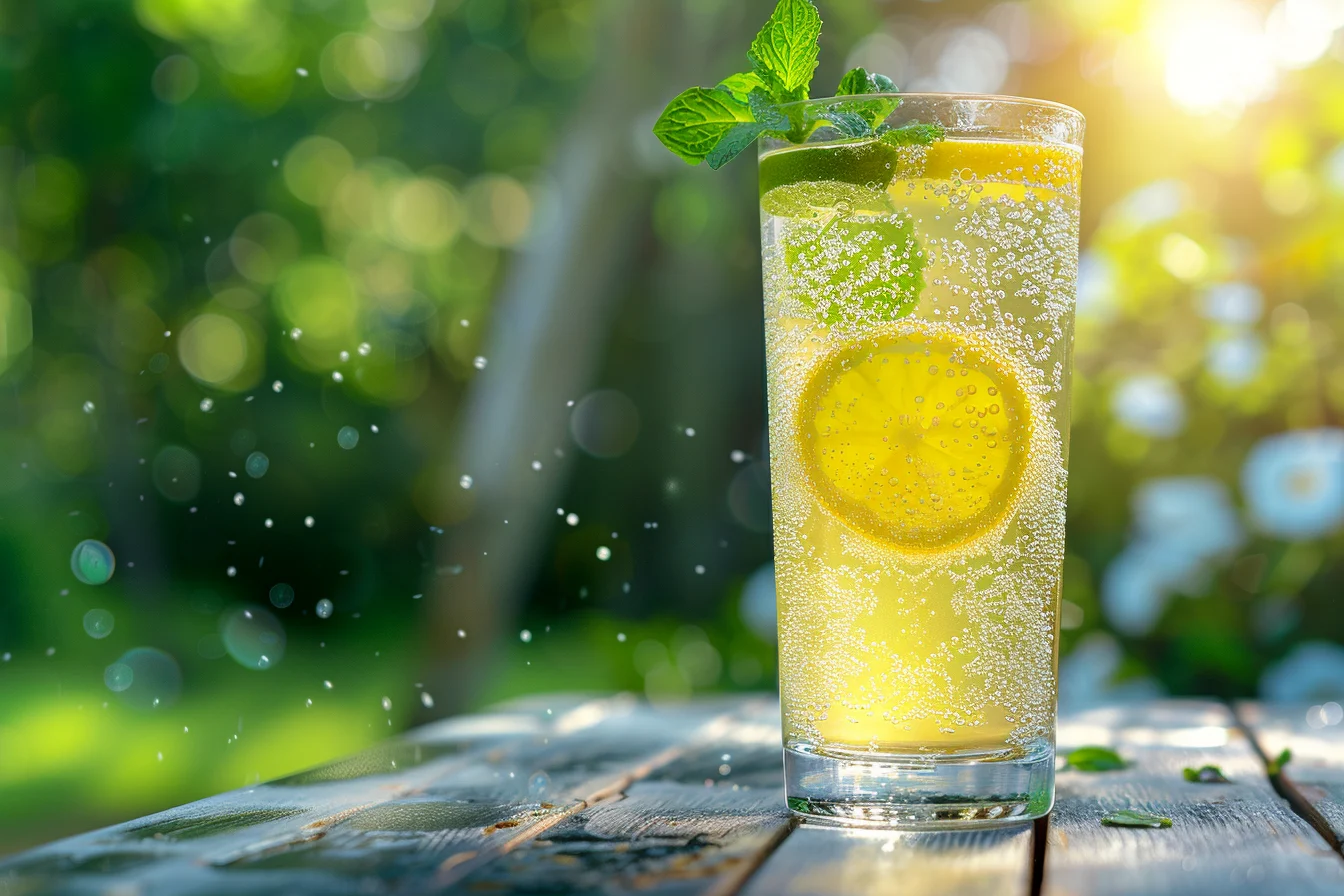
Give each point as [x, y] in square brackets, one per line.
[918, 462]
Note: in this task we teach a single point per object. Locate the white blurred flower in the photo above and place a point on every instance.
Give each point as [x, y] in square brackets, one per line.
[1313, 670]
[1086, 673]
[1150, 404]
[1294, 483]
[1235, 359]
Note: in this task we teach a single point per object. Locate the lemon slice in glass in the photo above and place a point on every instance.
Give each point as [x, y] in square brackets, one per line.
[916, 437]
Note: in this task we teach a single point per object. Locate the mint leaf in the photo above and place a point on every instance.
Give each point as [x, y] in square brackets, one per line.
[738, 138]
[766, 112]
[1278, 762]
[859, 82]
[696, 121]
[913, 134]
[849, 124]
[742, 84]
[1132, 818]
[1206, 774]
[785, 51]
[1095, 759]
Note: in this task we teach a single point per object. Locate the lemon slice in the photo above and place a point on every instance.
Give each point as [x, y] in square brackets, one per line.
[915, 437]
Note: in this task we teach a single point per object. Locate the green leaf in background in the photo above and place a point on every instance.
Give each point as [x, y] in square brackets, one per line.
[1206, 774]
[785, 51]
[697, 119]
[1132, 818]
[1278, 762]
[742, 84]
[913, 135]
[1095, 759]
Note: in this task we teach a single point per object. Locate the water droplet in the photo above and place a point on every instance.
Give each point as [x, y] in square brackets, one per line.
[536, 465]
[337, 377]
[347, 437]
[98, 623]
[308, 521]
[344, 356]
[737, 455]
[269, 522]
[466, 481]
[327, 684]
[479, 362]
[301, 72]
[231, 571]
[92, 562]
[238, 499]
[620, 636]
[207, 405]
[387, 704]
[525, 636]
[461, 633]
[572, 519]
[364, 349]
[145, 677]
[277, 386]
[604, 553]
[699, 569]
[118, 677]
[88, 407]
[324, 609]
[373, 428]
[282, 595]
[257, 464]
[464, 322]
[690, 432]
[539, 784]
[253, 636]
[426, 700]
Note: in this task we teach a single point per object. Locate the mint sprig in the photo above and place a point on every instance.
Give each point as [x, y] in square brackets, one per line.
[714, 125]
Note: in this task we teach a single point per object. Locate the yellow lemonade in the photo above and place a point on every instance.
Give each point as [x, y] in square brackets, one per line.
[918, 317]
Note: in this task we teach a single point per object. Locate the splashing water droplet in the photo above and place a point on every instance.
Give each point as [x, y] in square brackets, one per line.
[277, 386]
[282, 595]
[604, 553]
[337, 377]
[525, 636]
[231, 571]
[269, 522]
[238, 499]
[324, 609]
[426, 700]
[536, 465]
[690, 432]
[98, 623]
[344, 356]
[301, 72]
[466, 481]
[699, 569]
[387, 704]
[92, 562]
[347, 437]
[364, 349]
[88, 407]
[253, 636]
[296, 334]
[257, 464]
[479, 362]
[207, 405]
[308, 521]
[572, 519]
[461, 633]
[327, 684]
[737, 456]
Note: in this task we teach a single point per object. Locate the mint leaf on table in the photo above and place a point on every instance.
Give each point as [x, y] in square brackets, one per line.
[784, 53]
[1205, 774]
[1094, 759]
[1276, 764]
[1132, 818]
[697, 120]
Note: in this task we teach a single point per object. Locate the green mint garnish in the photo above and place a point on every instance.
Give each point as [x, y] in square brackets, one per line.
[1205, 774]
[1278, 762]
[714, 125]
[1095, 759]
[1132, 818]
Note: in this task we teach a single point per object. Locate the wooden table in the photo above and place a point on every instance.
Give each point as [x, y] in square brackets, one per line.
[571, 795]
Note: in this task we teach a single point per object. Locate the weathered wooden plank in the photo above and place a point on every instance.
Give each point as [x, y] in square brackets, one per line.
[817, 860]
[1316, 773]
[1225, 838]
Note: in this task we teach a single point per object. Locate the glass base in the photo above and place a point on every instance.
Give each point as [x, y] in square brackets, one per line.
[918, 790]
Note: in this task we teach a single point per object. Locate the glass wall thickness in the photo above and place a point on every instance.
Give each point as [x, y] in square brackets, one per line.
[919, 324]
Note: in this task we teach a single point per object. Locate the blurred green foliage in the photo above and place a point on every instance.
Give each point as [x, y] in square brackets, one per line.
[239, 226]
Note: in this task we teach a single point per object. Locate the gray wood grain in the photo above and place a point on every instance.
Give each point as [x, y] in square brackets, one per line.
[1316, 772]
[821, 861]
[1225, 839]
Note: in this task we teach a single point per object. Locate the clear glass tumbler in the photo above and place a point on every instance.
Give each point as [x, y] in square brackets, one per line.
[919, 298]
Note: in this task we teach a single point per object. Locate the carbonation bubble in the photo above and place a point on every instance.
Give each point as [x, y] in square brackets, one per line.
[257, 464]
[145, 678]
[282, 595]
[324, 608]
[207, 405]
[348, 437]
[118, 677]
[177, 473]
[98, 623]
[253, 636]
[92, 562]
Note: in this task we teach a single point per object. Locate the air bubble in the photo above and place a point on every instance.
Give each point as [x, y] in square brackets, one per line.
[98, 623]
[347, 437]
[324, 609]
[253, 636]
[92, 562]
[282, 595]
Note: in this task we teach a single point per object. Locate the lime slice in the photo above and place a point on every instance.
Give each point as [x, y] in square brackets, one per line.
[868, 164]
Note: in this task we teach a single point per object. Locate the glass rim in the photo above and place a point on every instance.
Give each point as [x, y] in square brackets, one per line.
[988, 98]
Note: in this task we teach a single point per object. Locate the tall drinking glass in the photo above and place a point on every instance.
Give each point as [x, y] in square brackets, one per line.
[919, 306]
